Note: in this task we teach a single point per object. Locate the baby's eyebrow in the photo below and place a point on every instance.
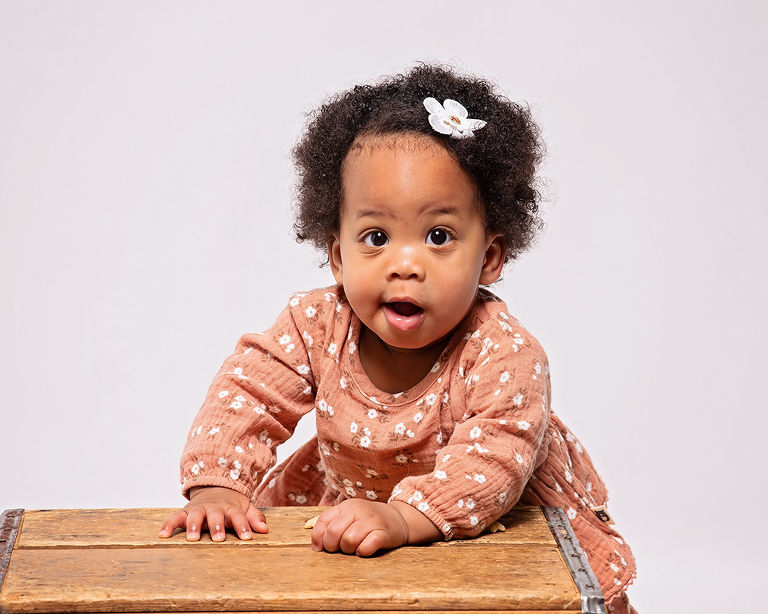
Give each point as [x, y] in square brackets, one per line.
[425, 210]
[373, 213]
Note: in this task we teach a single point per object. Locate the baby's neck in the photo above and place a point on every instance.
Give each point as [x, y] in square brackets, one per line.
[393, 370]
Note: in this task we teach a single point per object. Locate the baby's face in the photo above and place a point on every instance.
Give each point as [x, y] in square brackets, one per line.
[411, 248]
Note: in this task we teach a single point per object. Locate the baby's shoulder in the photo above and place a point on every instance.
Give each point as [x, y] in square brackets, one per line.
[495, 333]
[318, 305]
[322, 314]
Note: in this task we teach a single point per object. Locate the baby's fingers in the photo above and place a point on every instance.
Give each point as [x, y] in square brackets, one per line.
[256, 519]
[216, 523]
[177, 520]
[321, 527]
[372, 543]
[195, 520]
[242, 522]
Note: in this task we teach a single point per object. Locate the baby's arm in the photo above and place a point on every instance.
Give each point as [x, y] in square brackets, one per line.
[216, 508]
[252, 406]
[364, 527]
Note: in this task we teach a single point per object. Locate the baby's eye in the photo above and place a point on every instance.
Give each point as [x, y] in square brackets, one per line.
[438, 236]
[376, 238]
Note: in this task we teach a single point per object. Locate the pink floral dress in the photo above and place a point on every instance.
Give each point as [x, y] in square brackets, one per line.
[473, 438]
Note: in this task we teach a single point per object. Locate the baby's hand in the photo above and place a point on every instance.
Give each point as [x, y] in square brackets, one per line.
[363, 527]
[216, 508]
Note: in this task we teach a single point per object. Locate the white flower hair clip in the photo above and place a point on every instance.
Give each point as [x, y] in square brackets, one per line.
[451, 118]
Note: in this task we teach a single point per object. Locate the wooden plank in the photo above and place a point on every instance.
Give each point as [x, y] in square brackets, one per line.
[109, 528]
[292, 578]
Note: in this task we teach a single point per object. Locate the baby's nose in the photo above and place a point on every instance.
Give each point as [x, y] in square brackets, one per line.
[405, 263]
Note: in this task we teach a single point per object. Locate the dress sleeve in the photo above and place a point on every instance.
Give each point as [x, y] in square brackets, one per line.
[252, 406]
[481, 471]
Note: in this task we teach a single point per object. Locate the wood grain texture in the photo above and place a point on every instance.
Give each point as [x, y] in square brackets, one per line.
[109, 528]
[489, 577]
[113, 561]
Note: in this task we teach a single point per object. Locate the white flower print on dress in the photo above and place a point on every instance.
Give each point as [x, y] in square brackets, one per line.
[470, 504]
[302, 369]
[350, 491]
[238, 449]
[365, 441]
[400, 428]
[519, 458]
[353, 427]
[214, 430]
[460, 503]
[332, 348]
[571, 513]
[504, 377]
[310, 311]
[440, 475]
[410, 433]
[401, 459]
[234, 474]
[523, 425]
[417, 418]
[371, 495]
[517, 399]
[435, 367]
[475, 432]
[223, 393]
[285, 340]
[473, 521]
[222, 462]
[479, 478]
[423, 506]
[372, 413]
[343, 383]
[430, 399]
[307, 337]
[195, 469]
[236, 405]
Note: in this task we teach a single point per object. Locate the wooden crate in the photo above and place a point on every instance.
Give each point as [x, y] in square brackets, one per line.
[112, 561]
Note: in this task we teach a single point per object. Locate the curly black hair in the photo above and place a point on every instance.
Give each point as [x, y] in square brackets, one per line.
[501, 158]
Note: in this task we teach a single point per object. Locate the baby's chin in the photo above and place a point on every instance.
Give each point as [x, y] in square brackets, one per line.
[405, 343]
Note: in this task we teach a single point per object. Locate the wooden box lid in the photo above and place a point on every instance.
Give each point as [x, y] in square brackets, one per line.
[112, 561]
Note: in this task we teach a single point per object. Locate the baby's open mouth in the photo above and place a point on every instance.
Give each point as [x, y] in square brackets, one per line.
[405, 309]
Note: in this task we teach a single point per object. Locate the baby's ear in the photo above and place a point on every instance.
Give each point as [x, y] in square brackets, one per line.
[334, 258]
[495, 250]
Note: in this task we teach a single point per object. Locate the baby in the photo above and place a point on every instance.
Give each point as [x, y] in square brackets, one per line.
[432, 401]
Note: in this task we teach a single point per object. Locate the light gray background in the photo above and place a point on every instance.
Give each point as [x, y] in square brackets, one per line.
[144, 225]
